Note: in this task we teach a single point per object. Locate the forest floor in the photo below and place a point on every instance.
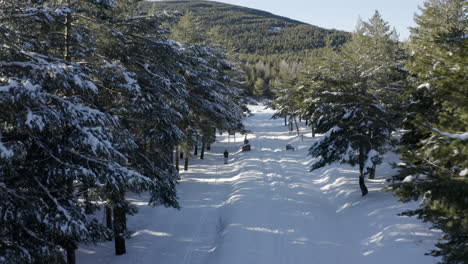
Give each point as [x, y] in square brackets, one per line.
[265, 207]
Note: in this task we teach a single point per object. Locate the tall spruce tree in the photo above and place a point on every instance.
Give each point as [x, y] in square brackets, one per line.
[435, 147]
[352, 94]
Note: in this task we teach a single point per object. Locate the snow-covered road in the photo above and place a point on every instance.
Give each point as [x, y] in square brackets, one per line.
[265, 207]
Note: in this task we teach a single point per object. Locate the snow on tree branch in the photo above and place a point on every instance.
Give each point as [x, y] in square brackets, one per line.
[457, 136]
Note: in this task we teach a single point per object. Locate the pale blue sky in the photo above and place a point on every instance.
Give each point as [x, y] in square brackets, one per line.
[340, 14]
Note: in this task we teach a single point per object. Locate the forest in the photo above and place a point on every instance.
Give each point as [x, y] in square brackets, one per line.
[99, 99]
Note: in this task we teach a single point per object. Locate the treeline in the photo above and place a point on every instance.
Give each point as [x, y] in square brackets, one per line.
[94, 103]
[358, 95]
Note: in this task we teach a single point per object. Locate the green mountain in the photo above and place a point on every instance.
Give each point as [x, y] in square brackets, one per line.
[253, 32]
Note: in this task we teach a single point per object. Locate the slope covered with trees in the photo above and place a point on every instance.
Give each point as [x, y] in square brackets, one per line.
[251, 31]
[262, 43]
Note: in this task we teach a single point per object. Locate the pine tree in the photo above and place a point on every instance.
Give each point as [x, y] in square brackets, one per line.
[214, 97]
[435, 148]
[54, 141]
[188, 30]
[351, 91]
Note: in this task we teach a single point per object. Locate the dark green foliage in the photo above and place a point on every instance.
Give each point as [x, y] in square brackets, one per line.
[351, 96]
[435, 146]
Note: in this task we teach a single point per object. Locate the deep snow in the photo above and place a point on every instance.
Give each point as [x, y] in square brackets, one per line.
[265, 207]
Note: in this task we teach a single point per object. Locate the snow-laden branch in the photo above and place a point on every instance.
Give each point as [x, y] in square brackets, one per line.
[458, 136]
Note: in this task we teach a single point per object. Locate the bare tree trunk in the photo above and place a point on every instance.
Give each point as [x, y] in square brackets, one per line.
[71, 255]
[372, 172]
[313, 129]
[70, 247]
[285, 121]
[186, 163]
[120, 226]
[68, 33]
[297, 127]
[177, 158]
[202, 154]
[362, 184]
[307, 122]
[195, 152]
[108, 209]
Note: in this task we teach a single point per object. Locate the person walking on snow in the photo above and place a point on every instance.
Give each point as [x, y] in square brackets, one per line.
[226, 155]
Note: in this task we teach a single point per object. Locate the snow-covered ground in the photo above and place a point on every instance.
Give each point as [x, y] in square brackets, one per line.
[265, 207]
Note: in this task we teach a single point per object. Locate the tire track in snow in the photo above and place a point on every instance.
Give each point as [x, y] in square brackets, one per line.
[274, 168]
[196, 236]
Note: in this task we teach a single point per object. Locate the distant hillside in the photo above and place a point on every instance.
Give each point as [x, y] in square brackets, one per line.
[250, 31]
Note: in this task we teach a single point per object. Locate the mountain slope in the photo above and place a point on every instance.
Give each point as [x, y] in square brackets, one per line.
[250, 31]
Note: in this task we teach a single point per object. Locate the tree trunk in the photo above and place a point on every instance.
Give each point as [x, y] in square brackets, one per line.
[313, 129]
[109, 217]
[362, 184]
[372, 172]
[181, 155]
[297, 127]
[208, 146]
[70, 247]
[186, 163]
[177, 158]
[195, 152]
[68, 33]
[120, 226]
[285, 121]
[202, 154]
[71, 254]
[307, 122]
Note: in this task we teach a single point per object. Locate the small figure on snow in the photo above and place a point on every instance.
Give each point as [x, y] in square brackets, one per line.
[290, 147]
[226, 155]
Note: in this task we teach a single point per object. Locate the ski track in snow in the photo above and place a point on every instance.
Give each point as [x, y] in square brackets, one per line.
[265, 207]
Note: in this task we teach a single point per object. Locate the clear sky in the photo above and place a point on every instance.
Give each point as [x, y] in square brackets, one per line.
[340, 14]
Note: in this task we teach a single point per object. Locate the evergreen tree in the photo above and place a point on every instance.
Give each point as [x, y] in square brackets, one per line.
[188, 30]
[54, 141]
[435, 148]
[353, 91]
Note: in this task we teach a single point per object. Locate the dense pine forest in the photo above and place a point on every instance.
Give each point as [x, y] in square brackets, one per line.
[104, 98]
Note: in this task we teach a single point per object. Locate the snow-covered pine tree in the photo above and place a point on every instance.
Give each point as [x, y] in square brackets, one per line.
[53, 139]
[215, 101]
[152, 115]
[351, 92]
[435, 147]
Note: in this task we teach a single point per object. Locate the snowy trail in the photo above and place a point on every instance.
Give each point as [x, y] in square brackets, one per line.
[265, 207]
